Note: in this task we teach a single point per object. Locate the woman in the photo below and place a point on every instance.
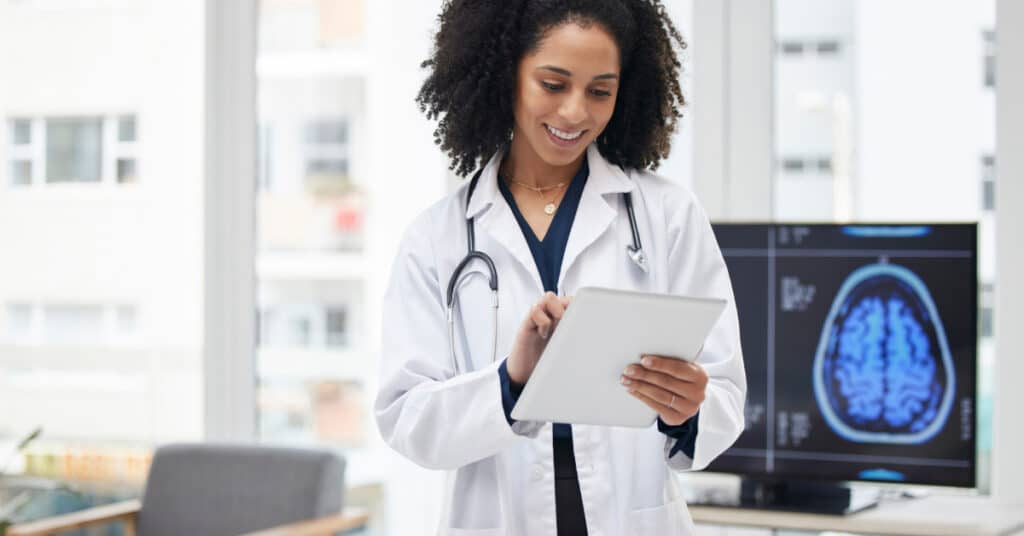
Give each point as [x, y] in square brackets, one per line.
[567, 104]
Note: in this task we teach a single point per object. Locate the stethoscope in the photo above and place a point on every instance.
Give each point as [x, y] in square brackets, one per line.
[635, 252]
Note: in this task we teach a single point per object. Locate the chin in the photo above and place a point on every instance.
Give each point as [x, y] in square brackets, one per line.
[555, 157]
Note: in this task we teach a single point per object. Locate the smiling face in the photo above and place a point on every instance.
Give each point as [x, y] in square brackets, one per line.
[565, 96]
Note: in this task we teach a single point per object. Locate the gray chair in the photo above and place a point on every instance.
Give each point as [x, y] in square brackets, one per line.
[226, 490]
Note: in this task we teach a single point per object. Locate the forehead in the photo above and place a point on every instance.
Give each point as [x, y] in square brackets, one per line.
[589, 50]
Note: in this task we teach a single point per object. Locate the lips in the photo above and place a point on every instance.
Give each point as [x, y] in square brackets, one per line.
[563, 138]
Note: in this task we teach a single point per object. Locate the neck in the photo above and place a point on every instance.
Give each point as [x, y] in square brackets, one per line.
[524, 165]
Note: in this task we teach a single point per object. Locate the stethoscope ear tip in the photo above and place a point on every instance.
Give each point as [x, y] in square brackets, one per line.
[638, 258]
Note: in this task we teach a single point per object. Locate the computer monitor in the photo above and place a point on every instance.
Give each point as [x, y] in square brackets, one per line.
[860, 347]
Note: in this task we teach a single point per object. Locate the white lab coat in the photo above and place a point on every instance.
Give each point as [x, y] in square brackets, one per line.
[500, 477]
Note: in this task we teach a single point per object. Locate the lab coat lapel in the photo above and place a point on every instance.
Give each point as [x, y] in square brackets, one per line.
[595, 214]
[495, 218]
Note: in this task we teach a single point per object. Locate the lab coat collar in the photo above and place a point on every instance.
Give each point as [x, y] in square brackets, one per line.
[604, 178]
[594, 214]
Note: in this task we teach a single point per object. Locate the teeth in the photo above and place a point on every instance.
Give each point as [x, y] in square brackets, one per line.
[563, 134]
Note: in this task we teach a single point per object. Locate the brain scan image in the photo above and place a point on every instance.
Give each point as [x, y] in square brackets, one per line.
[883, 371]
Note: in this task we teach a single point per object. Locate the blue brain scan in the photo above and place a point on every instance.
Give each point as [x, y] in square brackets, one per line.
[883, 372]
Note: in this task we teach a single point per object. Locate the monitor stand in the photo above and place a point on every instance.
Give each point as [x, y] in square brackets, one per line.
[805, 496]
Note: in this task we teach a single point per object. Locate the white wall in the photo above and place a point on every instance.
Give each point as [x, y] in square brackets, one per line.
[103, 244]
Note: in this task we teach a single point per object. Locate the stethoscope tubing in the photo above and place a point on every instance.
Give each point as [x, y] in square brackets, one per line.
[635, 253]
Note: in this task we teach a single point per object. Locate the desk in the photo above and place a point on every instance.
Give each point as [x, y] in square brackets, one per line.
[930, 516]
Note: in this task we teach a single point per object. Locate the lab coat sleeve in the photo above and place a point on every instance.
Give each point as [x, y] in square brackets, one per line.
[425, 412]
[696, 268]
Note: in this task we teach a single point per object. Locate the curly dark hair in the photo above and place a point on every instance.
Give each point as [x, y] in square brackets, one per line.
[471, 83]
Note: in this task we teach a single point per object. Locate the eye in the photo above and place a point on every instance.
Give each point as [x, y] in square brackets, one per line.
[601, 93]
[552, 87]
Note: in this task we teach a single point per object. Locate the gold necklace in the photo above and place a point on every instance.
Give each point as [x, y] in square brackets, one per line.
[549, 207]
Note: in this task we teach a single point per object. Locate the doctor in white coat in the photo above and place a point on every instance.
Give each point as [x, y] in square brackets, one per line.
[568, 104]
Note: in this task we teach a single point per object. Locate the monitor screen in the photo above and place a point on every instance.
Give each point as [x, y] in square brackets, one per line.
[860, 346]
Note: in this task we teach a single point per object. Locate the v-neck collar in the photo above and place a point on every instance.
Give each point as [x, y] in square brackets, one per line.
[549, 252]
[566, 209]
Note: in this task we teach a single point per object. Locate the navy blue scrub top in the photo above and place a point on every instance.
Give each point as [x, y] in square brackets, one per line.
[547, 255]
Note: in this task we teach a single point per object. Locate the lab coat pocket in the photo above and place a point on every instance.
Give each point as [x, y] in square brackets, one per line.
[671, 519]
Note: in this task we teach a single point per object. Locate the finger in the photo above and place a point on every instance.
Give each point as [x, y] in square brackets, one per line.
[683, 370]
[673, 385]
[550, 308]
[541, 320]
[670, 415]
[663, 397]
[552, 305]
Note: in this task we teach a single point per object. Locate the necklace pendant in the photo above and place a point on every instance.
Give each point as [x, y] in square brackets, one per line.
[549, 209]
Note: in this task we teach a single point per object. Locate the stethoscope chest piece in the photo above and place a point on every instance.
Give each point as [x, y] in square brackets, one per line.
[638, 257]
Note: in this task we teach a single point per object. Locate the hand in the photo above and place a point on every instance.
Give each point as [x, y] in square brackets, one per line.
[672, 387]
[533, 336]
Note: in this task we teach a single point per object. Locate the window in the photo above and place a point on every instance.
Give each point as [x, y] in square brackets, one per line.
[337, 327]
[327, 167]
[126, 128]
[21, 132]
[986, 303]
[827, 48]
[327, 132]
[21, 172]
[988, 182]
[19, 321]
[792, 165]
[67, 324]
[21, 150]
[792, 48]
[263, 166]
[73, 324]
[309, 326]
[989, 63]
[126, 170]
[74, 150]
[796, 165]
[125, 320]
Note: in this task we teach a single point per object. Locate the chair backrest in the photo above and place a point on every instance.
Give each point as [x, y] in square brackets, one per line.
[226, 490]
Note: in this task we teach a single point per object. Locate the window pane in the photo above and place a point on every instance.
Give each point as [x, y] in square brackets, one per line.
[126, 170]
[337, 327]
[126, 320]
[21, 132]
[73, 150]
[21, 172]
[72, 324]
[126, 128]
[19, 320]
[327, 132]
[898, 149]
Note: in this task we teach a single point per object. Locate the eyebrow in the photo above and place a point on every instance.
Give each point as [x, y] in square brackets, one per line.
[564, 72]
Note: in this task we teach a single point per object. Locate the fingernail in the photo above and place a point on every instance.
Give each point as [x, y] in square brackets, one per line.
[625, 381]
[647, 361]
[630, 370]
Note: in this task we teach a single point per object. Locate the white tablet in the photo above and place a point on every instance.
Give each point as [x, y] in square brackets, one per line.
[576, 380]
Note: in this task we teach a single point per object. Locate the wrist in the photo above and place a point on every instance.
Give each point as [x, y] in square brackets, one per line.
[515, 374]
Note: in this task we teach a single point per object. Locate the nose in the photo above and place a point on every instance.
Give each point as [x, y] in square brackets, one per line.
[574, 109]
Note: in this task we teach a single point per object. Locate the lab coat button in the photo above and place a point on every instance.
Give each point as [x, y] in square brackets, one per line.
[536, 472]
